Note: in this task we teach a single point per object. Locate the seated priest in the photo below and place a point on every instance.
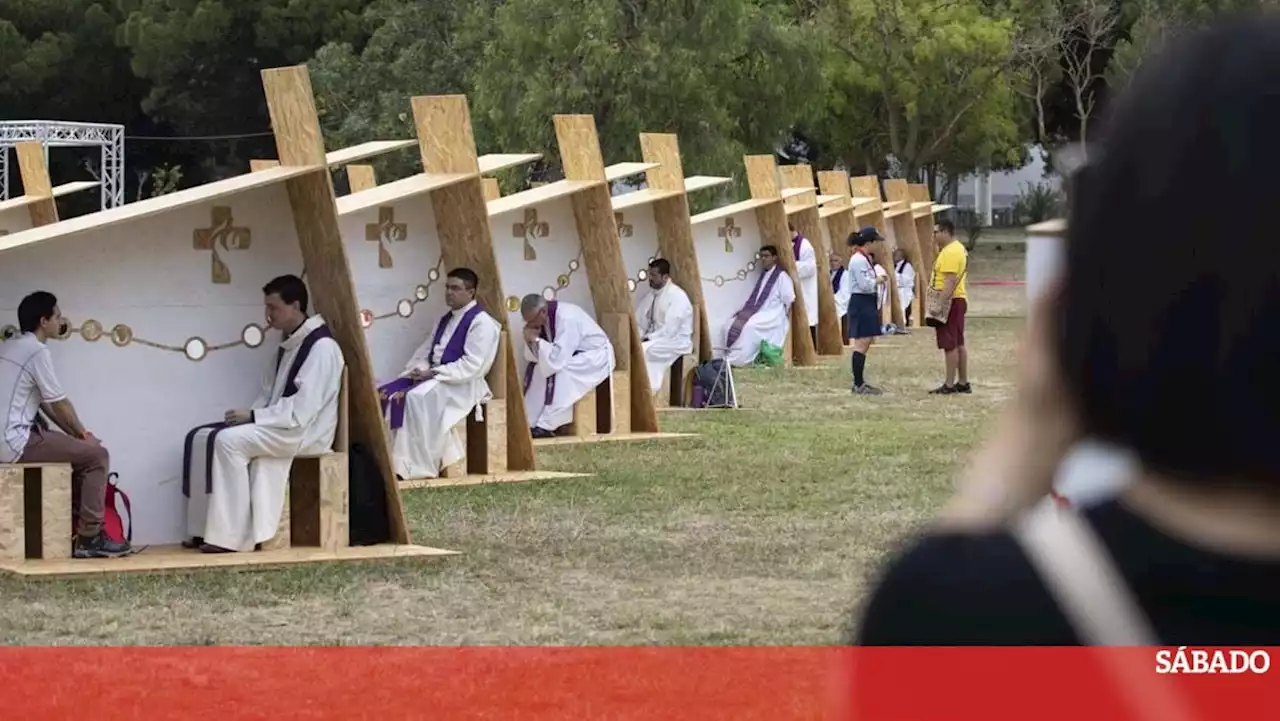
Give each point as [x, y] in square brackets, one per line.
[665, 316]
[566, 354]
[766, 316]
[236, 473]
[841, 286]
[807, 273]
[441, 383]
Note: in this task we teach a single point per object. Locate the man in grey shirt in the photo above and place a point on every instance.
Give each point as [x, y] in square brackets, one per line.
[27, 376]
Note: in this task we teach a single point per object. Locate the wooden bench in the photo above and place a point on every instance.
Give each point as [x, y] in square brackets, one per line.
[677, 378]
[485, 438]
[317, 507]
[35, 511]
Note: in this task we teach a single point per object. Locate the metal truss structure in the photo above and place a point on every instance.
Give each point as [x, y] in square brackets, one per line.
[52, 133]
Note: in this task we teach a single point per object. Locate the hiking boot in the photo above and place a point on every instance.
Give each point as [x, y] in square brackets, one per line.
[943, 390]
[100, 547]
[866, 389]
[964, 388]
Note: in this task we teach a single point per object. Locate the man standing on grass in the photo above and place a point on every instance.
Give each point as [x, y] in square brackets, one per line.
[949, 270]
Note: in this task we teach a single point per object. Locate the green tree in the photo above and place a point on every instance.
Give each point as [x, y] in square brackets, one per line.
[936, 76]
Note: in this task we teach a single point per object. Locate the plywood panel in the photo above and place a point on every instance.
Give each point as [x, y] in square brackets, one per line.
[291, 104]
[675, 232]
[806, 221]
[906, 234]
[36, 183]
[602, 253]
[491, 189]
[869, 210]
[462, 223]
[762, 177]
[361, 177]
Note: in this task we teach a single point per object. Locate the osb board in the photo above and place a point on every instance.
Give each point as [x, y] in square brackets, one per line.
[618, 437]
[164, 559]
[296, 124]
[807, 222]
[480, 479]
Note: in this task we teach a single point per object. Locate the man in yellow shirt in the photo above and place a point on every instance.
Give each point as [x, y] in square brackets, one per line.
[949, 270]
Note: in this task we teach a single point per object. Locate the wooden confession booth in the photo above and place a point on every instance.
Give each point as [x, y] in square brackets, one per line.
[903, 232]
[560, 241]
[37, 205]
[164, 301]
[654, 223]
[802, 207]
[837, 222]
[402, 239]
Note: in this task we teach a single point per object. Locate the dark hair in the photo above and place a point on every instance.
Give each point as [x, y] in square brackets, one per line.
[946, 225]
[769, 249]
[858, 239]
[290, 288]
[468, 277]
[35, 308]
[661, 265]
[791, 227]
[1181, 368]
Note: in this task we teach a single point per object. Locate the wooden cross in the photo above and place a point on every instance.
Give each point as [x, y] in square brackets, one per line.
[385, 232]
[624, 229]
[223, 233]
[729, 231]
[528, 230]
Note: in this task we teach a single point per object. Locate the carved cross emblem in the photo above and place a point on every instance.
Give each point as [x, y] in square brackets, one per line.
[222, 234]
[624, 228]
[530, 229]
[385, 232]
[729, 231]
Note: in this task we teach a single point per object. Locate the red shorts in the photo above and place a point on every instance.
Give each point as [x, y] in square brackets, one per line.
[951, 335]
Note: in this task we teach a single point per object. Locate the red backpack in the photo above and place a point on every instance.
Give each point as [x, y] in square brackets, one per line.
[112, 522]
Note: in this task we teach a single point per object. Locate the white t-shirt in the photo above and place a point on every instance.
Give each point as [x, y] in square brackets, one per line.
[26, 380]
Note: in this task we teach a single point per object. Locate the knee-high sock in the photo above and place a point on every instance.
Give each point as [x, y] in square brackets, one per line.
[859, 365]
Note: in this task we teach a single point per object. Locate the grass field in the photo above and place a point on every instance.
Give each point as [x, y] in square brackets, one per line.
[763, 530]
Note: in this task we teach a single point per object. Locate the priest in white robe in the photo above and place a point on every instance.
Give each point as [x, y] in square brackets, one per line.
[567, 355]
[765, 317]
[841, 287]
[807, 272]
[236, 473]
[906, 282]
[442, 382]
[665, 316]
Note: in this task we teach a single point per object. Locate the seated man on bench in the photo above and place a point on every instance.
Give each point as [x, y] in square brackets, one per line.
[441, 383]
[26, 374]
[665, 316]
[236, 473]
[766, 316]
[567, 355]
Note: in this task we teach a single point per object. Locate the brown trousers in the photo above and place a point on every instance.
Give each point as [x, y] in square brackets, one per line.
[89, 463]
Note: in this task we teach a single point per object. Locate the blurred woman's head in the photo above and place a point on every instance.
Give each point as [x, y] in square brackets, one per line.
[1169, 329]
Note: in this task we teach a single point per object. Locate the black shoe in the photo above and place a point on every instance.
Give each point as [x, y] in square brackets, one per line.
[100, 547]
[964, 388]
[541, 433]
[943, 390]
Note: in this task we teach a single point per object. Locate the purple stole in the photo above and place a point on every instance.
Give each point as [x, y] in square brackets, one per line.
[290, 390]
[391, 394]
[548, 334]
[835, 280]
[754, 303]
[795, 245]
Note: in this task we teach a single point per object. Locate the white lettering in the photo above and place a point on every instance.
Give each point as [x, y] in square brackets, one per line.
[1195, 660]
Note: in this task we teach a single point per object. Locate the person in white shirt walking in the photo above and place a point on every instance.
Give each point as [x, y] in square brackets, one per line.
[26, 373]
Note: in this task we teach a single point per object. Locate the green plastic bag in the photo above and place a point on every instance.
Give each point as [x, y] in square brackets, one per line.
[770, 355]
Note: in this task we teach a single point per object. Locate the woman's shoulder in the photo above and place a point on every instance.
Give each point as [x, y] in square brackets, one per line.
[951, 588]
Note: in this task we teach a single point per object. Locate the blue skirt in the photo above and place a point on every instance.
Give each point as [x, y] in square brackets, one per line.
[864, 317]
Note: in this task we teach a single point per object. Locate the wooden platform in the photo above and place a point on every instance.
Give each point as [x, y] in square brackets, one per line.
[605, 438]
[477, 479]
[161, 559]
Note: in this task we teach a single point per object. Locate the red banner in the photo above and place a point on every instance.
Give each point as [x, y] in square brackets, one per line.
[742, 684]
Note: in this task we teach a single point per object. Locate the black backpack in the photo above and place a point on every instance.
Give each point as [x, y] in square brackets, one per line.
[716, 383]
[367, 494]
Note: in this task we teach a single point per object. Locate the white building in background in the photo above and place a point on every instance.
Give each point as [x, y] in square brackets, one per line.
[992, 193]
